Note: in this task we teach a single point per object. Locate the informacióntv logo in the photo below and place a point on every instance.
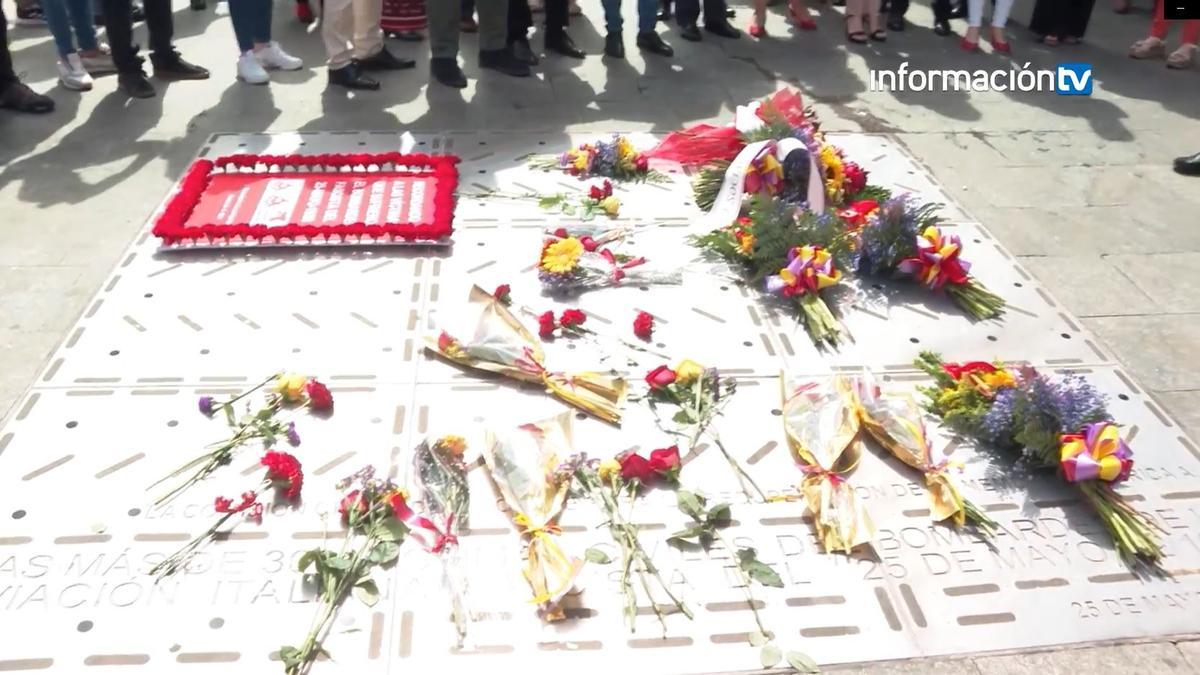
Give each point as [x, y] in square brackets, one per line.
[1074, 79]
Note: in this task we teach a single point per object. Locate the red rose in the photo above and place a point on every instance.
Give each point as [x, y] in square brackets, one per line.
[641, 163]
[665, 461]
[561, 233]
[571, 318]
[634, 466]
[960, 370]
[319, 397]
[660, 377]
[546, 325]
[502, 294]
[596, 192]
[855, 178]
[590, 245]
[399, 503]
[643, 325]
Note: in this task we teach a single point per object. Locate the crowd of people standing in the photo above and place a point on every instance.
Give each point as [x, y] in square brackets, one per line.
[353, 33]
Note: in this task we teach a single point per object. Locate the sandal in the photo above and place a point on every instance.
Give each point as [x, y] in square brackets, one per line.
[1149, 48]
[1071, 40]
[856, 36]
[879, 35]
[1181, 59]
[1050, 40]
[757, 31]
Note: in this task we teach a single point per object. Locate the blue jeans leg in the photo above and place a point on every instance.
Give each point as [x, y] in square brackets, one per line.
[81, 18]
[612, 15]
[59, 23]
[647, 15]
[242, 14]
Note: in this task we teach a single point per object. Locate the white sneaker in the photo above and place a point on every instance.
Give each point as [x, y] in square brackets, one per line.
[272, 56]
[250, 70]
[72, 75]
[222, 8]
[99, 65]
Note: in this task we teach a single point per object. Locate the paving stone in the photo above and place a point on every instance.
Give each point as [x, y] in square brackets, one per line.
[1162, 351]
[1088, 285]
[1137, 658]
[1191, 652]
[913, 667]
[1171, 280]
[1184, 408]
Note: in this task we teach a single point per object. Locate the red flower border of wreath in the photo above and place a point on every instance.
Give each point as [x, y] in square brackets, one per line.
[169, 226]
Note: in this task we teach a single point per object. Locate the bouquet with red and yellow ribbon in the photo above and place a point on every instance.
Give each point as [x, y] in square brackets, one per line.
[614, 485]
[568, 265]
[821, 421]
[809, 270]
[894, 420]
[527, 466]
[900, 237]
[501, 344]
[1061, 424]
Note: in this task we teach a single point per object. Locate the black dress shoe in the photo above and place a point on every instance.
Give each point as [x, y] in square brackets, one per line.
[665, 14]
[385, 60]
[502, 60]
[352, 77]
[1188, 166]
[941, 28]
[522, 52]
[135, 84]
[563, 44]
[447, 72]
[172, 67]
[17, 96]
[690, 33]
[895, 23]
[199, 5]
[653, 43]
[614, 45]
[730, 13]
[723, 29]
[959, 11]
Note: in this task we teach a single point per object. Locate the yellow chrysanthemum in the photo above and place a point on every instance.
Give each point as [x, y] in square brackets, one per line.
[998, 379]
[687, 371]
[835, 173]
[625, 148]
[455, 445]
[745, 242]
[609, 468]
[291, 386]
[581, 161]
[561, 256]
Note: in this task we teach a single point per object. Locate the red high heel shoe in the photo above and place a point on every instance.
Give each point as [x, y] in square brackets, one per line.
[968, 46]
[757, 31]
[802, 24]
[1000, 47]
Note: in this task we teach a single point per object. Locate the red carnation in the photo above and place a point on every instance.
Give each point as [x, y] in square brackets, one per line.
[283, 469]
[855, 178]
[502, 294]
[634, 466]
[960, 370]
[546, 325]
[608, 190]
[590, 245]
[660, 377]
[319, 397]
[352, 502]
[643, 325]
[571, 318]
[596, 192]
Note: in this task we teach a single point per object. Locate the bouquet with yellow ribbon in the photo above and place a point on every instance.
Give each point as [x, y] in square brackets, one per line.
[821, 421]
[501, 344]
[524, 464]
[894, 420]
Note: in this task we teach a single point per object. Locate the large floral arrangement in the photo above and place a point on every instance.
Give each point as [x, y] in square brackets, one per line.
[1057, 424]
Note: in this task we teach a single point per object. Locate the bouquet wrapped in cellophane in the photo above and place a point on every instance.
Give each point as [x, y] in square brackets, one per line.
[616, 158]
[901, 237]
[525, 464]
[894, 420]
[821, 424]
[440, 477]
[568, 265]
[502, 345]
[1059, 424]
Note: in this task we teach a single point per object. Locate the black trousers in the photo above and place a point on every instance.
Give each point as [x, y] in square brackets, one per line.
[520, 18]
[688, 11]
[118, 23]
[897, 8]
[7, 74]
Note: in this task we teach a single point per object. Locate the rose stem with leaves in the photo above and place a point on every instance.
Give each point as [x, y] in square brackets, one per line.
[702, 426]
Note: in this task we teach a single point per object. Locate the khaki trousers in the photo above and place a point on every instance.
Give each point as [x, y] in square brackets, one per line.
[351, 30]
